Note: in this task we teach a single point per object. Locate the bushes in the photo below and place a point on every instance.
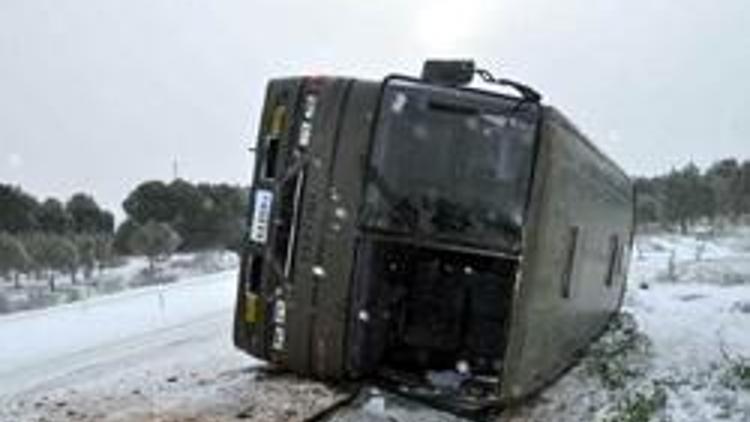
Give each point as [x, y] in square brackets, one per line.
[736, 376]
[642, 405]
[621, 354]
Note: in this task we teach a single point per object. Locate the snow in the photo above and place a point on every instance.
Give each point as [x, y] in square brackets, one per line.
[165, 353]
[31, 343]
[156, 353]
[131, 273]
[692, 319]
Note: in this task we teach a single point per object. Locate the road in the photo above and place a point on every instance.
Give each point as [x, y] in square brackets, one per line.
[162, 353]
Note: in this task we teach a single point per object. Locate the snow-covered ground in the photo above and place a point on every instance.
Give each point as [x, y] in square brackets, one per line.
[165, 354]
[157, 353]
[672, 356]
[690, 301]
[36, 344]
[132, 272]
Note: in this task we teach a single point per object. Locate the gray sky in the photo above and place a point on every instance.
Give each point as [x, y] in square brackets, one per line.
[101, 95]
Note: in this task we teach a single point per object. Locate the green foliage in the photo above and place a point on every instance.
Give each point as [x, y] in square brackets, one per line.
[18, 210]
[737, 374]
[204, 215]
[724, 178]
[611, 358]
[13, 255]
[61, 254]
[641, 406]
[121, 241]
[87, 216]
[51, 254]
[686, 195]
[103, 250]
[86, 246]
[150, 201]
[53, 218]
[157, 241]
[20, 213]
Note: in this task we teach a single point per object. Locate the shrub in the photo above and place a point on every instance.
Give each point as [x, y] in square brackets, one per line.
[614, 358]
[642, 406]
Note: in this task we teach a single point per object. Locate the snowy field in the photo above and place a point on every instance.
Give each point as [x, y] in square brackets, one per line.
[690, 302]
[131, 273]
[678, 353]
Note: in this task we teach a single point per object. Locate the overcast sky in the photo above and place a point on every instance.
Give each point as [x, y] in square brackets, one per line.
[101, 95]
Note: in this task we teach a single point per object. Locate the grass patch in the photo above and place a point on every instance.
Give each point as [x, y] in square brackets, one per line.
[641, 406]
[736, 376]
[618, 356]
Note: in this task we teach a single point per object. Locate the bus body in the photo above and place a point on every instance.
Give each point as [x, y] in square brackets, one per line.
[406, 230]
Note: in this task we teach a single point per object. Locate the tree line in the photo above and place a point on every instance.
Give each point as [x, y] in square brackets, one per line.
[52, 237]
[203, 215]
[687, 196]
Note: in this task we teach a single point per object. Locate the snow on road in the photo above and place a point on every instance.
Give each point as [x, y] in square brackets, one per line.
[39, 345]
[161, 353]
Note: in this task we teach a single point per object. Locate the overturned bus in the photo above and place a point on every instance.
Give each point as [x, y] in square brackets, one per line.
[410, 228]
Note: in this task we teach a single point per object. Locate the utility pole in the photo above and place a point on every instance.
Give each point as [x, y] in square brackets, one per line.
[175, 169]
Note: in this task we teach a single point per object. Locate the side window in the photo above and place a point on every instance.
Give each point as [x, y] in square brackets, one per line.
[614, 260]
[567, 275]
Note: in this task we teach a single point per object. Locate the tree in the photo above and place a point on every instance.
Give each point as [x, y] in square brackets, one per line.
[192, 214]
[52, 254]
[150, 201]
[204, 215]
[53, 218]
[14, 259]
[86, 247]
[686, 197]
[157, 241]
[647, 209]
[62, 256]
[648, 200]
[18, 210]
[121, 241]
[103, 250]
[87, 216]
[228, 215]
[743, 189]
[723, 177]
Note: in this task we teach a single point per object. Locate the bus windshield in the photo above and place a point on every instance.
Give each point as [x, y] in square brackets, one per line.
[450, 164]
